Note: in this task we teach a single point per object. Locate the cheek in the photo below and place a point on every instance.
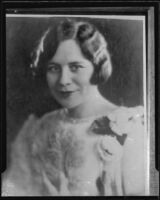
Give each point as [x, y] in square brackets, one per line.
[51, 79]
[84, 80]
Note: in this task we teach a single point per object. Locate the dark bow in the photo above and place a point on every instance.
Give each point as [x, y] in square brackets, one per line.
[101, 126]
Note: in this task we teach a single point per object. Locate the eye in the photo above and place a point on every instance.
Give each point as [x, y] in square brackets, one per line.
[53, 68]
[75, 67]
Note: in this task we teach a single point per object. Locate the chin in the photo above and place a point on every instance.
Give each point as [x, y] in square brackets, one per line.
[69, 105]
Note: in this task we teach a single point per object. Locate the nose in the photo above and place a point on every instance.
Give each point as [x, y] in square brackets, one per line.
[65, 77]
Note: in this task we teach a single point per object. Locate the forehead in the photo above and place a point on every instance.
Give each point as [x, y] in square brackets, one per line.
[68, 51]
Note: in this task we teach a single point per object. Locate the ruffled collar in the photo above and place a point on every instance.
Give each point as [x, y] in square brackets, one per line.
[73, 120]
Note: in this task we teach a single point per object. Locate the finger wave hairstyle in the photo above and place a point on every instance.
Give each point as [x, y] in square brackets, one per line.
[92, 43]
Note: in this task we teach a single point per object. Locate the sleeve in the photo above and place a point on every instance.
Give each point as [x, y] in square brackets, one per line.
[16, 181]
[135, 159]
[130, 121]
[110, 152]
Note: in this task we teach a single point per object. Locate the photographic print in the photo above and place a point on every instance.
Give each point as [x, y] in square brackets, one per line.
[78, 111]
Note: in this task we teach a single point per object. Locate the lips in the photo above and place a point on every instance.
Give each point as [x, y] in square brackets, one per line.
[65, 94]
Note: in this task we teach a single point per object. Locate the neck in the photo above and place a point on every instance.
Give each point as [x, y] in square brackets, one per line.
[90, 107]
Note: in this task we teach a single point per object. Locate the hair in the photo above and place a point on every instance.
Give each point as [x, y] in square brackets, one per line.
[92, 43]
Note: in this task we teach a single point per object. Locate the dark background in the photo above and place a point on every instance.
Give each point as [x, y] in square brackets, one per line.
[26, 95]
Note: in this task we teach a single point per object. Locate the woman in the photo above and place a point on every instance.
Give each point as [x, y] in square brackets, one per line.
[90, 147]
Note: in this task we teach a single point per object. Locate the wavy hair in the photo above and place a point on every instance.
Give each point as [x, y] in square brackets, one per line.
[92, 43]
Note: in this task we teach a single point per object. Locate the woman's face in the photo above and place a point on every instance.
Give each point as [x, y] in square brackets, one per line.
[69, 74]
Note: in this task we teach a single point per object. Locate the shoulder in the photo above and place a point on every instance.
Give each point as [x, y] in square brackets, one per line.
[47, 128]
[33, 130]
[33, 124]
[121, 118]
[130, 121]
[30, 140]
[126, 112]
[124, 120]
[55, 115]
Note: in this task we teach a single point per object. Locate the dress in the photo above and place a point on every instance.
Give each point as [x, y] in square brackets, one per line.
[60, 156]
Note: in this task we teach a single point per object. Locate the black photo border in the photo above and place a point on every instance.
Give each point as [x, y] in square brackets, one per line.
[150, 9]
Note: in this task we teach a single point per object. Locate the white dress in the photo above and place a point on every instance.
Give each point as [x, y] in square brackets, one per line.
[60, 156]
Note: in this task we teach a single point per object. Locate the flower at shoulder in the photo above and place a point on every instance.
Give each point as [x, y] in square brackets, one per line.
[123, 120]
[101, 126]
[109, 149]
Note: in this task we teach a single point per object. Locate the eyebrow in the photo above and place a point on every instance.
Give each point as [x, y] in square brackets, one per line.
[53, 63]
[70, 63]
[75, 63]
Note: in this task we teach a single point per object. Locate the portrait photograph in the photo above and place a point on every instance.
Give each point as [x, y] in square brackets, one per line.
[79, 104]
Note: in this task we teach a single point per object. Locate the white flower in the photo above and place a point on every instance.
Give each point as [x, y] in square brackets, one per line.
[109, 149]
[124, 119]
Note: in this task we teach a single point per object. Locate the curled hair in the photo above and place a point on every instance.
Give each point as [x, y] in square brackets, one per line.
[89, 39]
[38, 50]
